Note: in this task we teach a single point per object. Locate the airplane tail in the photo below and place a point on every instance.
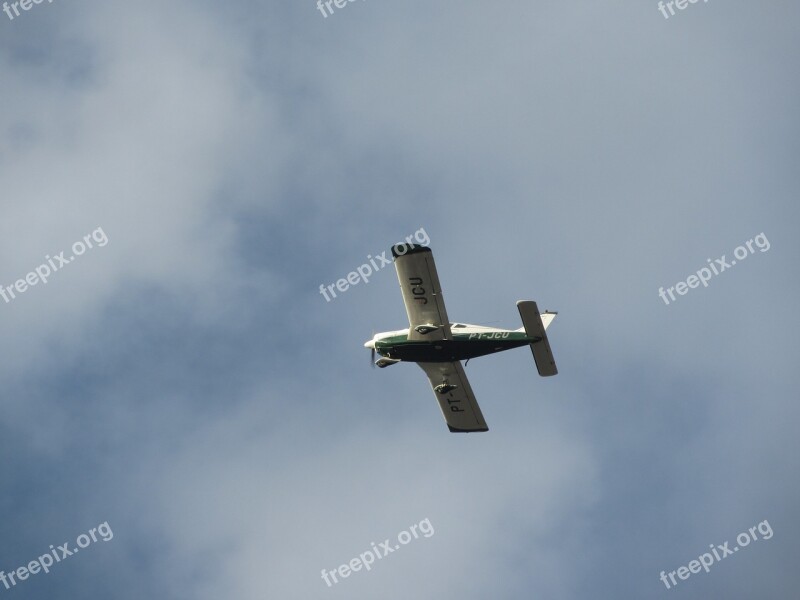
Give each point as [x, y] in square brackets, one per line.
[534, 325]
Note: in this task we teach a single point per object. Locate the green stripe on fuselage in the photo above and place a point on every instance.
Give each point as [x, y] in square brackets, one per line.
[461, 347]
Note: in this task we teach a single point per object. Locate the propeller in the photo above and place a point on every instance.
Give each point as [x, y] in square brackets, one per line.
[372, 349]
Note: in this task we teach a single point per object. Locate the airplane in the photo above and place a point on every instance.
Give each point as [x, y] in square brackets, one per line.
[439, 346]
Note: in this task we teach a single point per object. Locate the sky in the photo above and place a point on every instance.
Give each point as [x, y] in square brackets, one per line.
[181, 402]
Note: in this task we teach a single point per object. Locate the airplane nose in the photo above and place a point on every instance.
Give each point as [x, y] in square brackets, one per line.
[370, 344]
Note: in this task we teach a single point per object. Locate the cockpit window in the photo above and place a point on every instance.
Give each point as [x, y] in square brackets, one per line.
[459, 325]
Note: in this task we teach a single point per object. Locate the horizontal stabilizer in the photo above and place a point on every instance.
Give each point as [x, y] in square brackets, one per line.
[535, 329]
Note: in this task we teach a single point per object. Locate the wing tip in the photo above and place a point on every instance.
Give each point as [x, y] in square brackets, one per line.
[408, 249]
[456, 430]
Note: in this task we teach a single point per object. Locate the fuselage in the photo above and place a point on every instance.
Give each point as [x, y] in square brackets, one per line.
[469, 341]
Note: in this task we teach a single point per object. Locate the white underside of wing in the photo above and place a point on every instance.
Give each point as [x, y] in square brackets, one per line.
[458, 404]
[422, 295]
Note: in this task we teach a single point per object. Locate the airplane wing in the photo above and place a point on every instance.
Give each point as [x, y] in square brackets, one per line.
[422, 293]
[458, 403]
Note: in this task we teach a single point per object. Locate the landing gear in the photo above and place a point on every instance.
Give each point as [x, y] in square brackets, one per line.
[445, 387]
[383, 362]
[423, 329]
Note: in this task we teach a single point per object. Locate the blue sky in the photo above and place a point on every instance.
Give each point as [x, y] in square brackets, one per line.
[188, 384]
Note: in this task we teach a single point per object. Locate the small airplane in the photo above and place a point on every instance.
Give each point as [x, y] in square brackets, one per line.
[438, 346]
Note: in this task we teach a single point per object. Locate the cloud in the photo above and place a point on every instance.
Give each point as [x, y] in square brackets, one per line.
[188, 384]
